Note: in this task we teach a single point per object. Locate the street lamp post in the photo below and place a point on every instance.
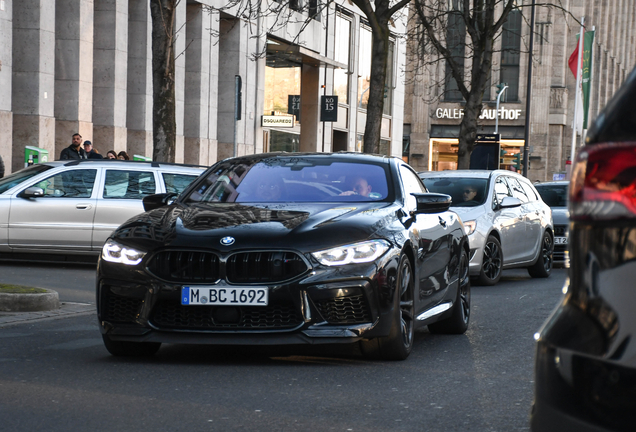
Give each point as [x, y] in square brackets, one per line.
[526, 133]
[497, 112]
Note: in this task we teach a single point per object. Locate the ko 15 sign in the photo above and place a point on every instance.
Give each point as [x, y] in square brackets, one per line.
[329, 108]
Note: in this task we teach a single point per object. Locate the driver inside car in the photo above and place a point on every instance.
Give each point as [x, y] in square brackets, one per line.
[360, 187]
[469, 193]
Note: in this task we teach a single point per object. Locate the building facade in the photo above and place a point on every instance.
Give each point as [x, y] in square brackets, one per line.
[85, 66]
[433, 112]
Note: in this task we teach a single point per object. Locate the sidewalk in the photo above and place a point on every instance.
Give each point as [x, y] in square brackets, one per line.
[66, 309]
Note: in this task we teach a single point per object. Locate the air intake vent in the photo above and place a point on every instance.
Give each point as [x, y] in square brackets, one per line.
[185, 266]
[344, 310]
[264, 267]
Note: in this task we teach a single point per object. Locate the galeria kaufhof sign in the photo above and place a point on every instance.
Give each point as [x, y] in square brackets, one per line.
[486, 113]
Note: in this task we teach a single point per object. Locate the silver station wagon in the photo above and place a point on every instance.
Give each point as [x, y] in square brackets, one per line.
[64, 210]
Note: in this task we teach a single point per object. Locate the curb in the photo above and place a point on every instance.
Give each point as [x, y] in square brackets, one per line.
[32, 302]
[65, 310]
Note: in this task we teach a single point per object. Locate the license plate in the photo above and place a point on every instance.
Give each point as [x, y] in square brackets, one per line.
[560, 240]
[229, 296]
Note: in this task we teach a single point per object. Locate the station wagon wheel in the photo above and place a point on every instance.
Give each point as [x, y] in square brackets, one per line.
[492, 262]
[543, 266]
[457, 323]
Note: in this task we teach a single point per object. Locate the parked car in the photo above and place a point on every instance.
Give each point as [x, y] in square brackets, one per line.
[555, 194]
[585, 370]
[508, 225]
[288, 249]
[62, 208]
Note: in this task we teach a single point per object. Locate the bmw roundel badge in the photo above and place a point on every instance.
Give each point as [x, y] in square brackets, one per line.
[226, 241]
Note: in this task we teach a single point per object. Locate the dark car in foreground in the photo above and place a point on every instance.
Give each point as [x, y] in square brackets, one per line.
[555, 194]
[288, 249]
[585, 370]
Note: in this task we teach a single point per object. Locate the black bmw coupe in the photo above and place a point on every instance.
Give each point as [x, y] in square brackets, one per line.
[288, 249]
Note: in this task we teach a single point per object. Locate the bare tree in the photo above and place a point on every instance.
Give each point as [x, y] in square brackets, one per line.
[164, 126]
[451, 31]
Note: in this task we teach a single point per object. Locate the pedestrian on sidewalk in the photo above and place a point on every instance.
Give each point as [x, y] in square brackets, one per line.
[75, 150]
[91, 153]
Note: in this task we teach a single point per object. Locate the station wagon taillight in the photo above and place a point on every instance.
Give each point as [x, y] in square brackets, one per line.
[603, 185]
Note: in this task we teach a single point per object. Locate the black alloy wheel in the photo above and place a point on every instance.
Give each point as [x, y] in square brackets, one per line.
[492, 262]
[398, 344]
[543, 266]
[457, 323]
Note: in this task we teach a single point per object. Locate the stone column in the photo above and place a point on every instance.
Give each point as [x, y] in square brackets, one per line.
[229, 65]
[73, 70]
[139, 86]
[110, 75]
[310, 128]
[179, 76]
[32, 84]
[6, 116]
[197, 85]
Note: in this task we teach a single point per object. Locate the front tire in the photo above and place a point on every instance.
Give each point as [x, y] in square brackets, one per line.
[131, 349]
[492, 262]
[457, 323]
[398, 344]
[543, 267]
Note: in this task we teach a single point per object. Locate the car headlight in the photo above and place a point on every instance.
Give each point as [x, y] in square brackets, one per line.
[469, 227]
[355, 253]
[114, 252]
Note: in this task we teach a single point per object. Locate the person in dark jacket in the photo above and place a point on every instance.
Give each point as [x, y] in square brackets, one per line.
[91, 153]
[75, 150]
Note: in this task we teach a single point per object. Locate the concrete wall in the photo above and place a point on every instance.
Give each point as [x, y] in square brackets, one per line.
[6, 71]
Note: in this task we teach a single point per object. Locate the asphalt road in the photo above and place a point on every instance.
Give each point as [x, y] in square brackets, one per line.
[55, 375]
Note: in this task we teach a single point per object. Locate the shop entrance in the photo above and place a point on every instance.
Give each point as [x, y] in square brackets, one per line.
[443, 154]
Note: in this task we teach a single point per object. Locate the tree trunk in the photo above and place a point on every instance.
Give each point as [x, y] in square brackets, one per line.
[467, 133]
[375, 107]
[164, 125]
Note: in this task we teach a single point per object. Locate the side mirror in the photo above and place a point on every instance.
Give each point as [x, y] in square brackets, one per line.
[32, 192]
[509, 202]
[155, 201]
[428, 203]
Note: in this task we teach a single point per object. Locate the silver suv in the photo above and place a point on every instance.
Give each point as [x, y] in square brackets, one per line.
[71, 207]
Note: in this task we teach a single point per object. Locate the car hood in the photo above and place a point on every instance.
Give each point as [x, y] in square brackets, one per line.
[303, 226]
[560, 216]
[468, 213]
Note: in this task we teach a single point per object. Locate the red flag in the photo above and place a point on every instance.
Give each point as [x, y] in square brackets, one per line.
[573, 62]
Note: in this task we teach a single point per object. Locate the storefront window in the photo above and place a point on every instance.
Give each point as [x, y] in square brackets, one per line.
[341, 54]
[282, 81]
[443, 153]
[284, 141]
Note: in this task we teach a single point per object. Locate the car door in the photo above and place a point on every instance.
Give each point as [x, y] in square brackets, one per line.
[535, 220]
[61, 219]
[509, 222]
[433, 235]
[532, 221]
[120, 196]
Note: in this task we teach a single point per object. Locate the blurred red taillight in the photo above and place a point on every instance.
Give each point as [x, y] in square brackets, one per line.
[603, 185]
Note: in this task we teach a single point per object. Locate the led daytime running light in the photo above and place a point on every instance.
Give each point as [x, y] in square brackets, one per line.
[353, 254]
[114, 252]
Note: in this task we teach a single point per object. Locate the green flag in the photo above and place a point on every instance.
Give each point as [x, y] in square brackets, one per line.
[586, 75]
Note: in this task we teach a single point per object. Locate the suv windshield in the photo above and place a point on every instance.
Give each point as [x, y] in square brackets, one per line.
[465, 192]
[292, 179]
[16, 178]
[553, 195]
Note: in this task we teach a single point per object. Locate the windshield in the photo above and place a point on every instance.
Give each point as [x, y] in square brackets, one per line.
[554, 195]
[465, 192]
[292, 179]
[16, 178]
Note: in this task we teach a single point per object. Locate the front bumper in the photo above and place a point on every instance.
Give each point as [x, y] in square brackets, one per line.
[326, 305]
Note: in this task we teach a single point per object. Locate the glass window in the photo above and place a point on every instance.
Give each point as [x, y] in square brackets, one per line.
[18, 177]
[501, 190]
[282, 80]
[412, 184]
[69, 184]
[364, 66]
[293, 179]
[517, 190]
[530, 192]
[465, 192]
[510, 55]
[456, 43]
[554, 195]
[388, 88]
[176, 183]
[122, 184]
[341, 54]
